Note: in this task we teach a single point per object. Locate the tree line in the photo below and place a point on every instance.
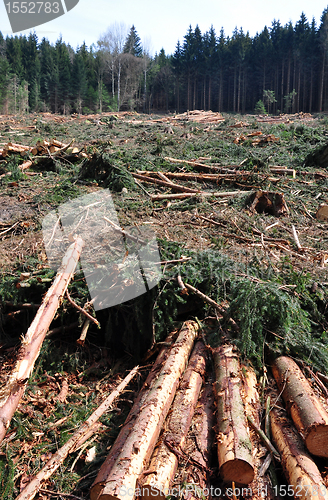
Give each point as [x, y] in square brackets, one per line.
[280, 69]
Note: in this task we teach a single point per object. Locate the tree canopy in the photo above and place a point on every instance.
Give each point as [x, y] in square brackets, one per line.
[281, 68]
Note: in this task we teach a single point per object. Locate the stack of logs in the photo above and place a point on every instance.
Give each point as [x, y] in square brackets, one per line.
[42, 149]
[172, 422]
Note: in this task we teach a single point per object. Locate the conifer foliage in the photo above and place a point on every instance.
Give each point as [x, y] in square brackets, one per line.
[280, 69]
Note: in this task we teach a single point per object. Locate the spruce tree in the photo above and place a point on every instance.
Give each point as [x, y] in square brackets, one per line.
[133, 43]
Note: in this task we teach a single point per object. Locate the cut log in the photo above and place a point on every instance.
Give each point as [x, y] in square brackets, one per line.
[304, 478]
[199, 443]
[130, 420]
[31, 345]
[182, 196]
[308, 414]
[234, 444]
[176, 187]
[261, 483]
[139, 445]
[164, 461]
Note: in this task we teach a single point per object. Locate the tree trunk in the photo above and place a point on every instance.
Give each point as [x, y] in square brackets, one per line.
[130, 420]
[261, 483]
[31, 345]
[234, 444]
[305, 481]
[164, 461]
[308, 414]
[139, 445]
[199, 444]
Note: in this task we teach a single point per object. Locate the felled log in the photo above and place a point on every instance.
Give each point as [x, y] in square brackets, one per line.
[164, 461]
[130, 420]
[308, 414]
[82, 434]
[261, 482]
[120, 482]
[182, 196]
[175, 187]
[303, 476]
[199, 442]
[11, 147]
[234, 445]
[31, 345]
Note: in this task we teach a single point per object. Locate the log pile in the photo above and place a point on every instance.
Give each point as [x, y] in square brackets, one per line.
[43, 150]
[200, 116]
[174, 419]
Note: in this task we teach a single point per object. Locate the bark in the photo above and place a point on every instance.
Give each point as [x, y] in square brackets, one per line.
[261, 483]
[305, 481]
[200, 442]
[130, 421]
[31, 345]
[139, 444]
[234, 444]
[80, 436]
[164, 460]
[308, 414]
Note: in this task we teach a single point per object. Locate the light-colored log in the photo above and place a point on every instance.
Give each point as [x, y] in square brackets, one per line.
[140, 443]
[303, 476]
[308, 414]
[31, 345]
[234, 444]
[164, 460]
[130, 420]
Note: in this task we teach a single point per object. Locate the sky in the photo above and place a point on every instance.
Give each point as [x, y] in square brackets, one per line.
[160, 24]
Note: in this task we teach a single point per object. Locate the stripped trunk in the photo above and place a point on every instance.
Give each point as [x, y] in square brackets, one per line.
[164, 461]
[234, 444]
[308, 414]
[140, 443]
[35, 335]
[305, 481]
[199, 443]
[261, 483]
[130, 420]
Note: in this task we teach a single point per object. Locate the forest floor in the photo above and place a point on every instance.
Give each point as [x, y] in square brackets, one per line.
[235, 246]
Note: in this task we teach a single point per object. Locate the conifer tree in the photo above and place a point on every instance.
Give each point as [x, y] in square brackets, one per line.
[133, 43]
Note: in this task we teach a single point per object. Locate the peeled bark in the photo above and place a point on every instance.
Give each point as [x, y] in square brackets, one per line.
[304, 478]
[234, 444]
[31, 345]
[164, 461]
[130, 420]
[140, 443]
[308, 414]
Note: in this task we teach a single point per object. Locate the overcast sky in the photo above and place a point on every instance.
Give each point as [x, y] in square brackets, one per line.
[160, 24]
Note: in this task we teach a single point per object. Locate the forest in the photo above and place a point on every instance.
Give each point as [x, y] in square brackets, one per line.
[281, 69]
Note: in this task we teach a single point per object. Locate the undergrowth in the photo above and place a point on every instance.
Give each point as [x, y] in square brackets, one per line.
[276, 312]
